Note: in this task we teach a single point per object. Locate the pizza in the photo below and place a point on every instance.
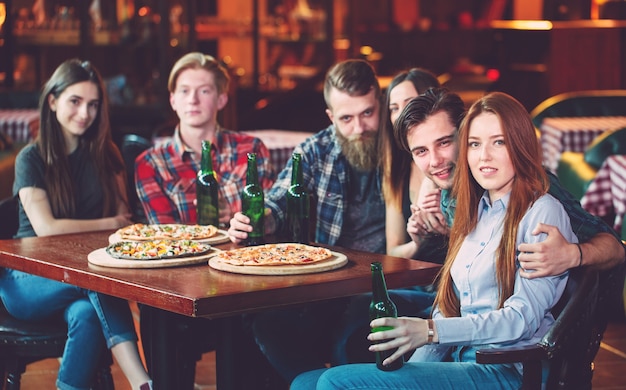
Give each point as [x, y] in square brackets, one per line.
[140, 231]
[274, 254]
[157, 249]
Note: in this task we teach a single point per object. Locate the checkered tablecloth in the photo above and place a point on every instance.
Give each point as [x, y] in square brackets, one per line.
[573, 134]
[21, 125]
[280, 144]
[607, 192]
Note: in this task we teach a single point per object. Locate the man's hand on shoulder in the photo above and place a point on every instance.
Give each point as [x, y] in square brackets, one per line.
[556, 255]
[551, 257]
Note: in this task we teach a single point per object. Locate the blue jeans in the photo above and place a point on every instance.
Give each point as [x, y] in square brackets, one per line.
[458, 374]
[95, 321]
[304, 339]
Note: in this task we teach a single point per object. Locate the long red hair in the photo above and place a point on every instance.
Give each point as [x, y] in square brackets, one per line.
[530, 182]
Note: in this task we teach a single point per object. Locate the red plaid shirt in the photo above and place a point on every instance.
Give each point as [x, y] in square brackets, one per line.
[165, 175]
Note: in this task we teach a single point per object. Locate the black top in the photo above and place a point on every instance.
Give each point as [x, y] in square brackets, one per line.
[30, 172]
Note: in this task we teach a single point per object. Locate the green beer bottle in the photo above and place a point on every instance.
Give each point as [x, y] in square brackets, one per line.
[382, 306]
[207, 189]
[297, 205]
[252, 203]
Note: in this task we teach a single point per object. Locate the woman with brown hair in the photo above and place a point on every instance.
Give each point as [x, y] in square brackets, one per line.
[72, 179]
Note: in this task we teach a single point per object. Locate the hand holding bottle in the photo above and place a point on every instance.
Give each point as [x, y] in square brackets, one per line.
[403, 334]
[240, 226]
[382, 307]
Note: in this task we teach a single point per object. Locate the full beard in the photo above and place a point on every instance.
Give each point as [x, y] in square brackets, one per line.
[360, 150]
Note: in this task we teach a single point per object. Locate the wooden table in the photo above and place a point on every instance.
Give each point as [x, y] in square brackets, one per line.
[606, 193]
[572, 134]
[200, 291]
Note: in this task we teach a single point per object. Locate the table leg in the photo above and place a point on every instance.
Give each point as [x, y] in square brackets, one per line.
[226, 355]
[240, 365]
[169, 363]
[171, 345]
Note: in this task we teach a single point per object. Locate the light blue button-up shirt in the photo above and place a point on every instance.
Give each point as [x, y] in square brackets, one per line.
[526, 316]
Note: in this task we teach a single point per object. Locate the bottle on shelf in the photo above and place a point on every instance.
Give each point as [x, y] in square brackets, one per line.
[382, 306]
[253, 204]
[207, 189]
[298, 204]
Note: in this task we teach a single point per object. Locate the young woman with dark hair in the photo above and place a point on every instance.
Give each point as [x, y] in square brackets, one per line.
[72, 179]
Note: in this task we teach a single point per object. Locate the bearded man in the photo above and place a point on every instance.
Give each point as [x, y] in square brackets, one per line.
[339, 166]
[340, 170]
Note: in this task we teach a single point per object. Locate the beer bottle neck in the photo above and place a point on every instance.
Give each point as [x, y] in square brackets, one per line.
[206, 164]
[252, 176]
[296, 171]
[379, 287]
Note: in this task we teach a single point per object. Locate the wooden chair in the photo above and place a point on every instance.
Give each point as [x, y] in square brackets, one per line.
[570, 345]
[9, 216]
[25, 342]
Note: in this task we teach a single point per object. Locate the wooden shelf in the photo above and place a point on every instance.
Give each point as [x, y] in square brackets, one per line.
[53, 37]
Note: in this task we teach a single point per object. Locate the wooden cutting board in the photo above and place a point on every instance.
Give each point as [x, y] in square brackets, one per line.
[219, 238]
[337, 261]
[102, 258]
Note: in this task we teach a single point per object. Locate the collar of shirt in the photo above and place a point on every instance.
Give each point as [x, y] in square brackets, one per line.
[185, 150]
[485, 203]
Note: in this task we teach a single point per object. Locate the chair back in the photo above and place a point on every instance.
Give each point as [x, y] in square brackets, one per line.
[581, 103]
[132, 146]
[9, 215]
[571, 343]
[609, 143]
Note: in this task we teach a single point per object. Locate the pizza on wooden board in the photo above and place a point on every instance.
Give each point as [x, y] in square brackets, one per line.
[274, 254]
[140, 231]
[157, 249]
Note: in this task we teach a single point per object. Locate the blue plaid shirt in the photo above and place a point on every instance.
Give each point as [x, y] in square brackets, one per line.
[325, 174]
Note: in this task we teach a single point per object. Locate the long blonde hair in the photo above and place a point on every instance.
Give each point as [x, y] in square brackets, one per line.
[530, 182]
